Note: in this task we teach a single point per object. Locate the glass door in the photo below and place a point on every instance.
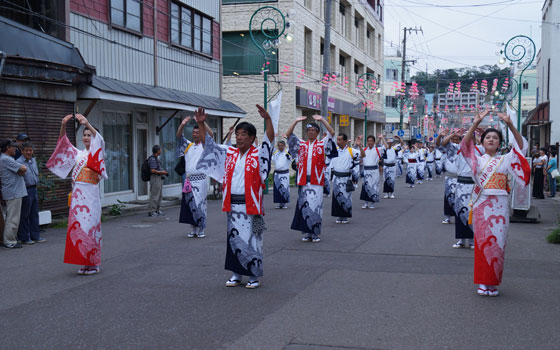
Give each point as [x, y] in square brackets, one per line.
[141, 155]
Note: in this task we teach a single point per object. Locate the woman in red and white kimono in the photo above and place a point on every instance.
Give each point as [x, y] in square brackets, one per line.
[490, 200]
[83, 237]
[243, 171]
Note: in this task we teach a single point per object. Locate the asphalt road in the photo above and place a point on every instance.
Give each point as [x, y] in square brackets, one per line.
[387, 280]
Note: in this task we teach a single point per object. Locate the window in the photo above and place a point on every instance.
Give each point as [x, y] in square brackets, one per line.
[391, 102]
[226, 2]
[525, 85]
[371, 42]
[307, 50]
[308, 4]
[127, 14]
[191, 29]
[343, 72]
[241, 57]
[37, 14]
[118, 150]
[342, 11]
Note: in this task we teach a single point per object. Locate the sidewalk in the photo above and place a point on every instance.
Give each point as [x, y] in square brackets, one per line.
[387, 280]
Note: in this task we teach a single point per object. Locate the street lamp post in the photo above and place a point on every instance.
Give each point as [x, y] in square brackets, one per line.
[271, 22]
[521, 50]
[366, 84]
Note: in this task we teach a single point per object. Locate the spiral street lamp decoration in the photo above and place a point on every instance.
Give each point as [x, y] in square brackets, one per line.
[272, 24]
[520, 50]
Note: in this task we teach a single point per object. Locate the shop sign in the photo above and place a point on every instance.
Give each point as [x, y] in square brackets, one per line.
[344, 120]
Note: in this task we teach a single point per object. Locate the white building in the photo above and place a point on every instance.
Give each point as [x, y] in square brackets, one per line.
[547, 112]
[356, 48]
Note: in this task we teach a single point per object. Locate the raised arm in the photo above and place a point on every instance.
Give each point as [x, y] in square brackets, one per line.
[438, 138]
[518, 138]
[325, 123]
[268, 123]
[179, 133]
[382, 139]
[359, 144]
[83, 121]
[478, 118]
[400, 140]
[63, 125]
[200, 117]
[291, 128]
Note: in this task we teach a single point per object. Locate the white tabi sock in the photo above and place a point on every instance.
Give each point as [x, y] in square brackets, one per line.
[235, 277]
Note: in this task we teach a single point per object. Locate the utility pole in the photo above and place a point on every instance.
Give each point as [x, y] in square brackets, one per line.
[326, 59]
[403, 68]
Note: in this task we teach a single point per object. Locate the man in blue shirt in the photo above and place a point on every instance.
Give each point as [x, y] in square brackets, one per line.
[13, 190]
[28, 232]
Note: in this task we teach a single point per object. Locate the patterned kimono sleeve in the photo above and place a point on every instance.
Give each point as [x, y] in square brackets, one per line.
[265, 156]
[180, 146]
[63, 158]
[213, 159]
[471, 156]
[331, 150]
[96, 156]
[517, 164]
[293, 145]
[355, 164]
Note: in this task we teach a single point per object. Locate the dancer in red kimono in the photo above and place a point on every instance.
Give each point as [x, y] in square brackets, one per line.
[490, 201]
[83, 237]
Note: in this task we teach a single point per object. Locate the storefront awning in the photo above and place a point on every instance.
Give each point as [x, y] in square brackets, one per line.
[159, 97]
[539, 115]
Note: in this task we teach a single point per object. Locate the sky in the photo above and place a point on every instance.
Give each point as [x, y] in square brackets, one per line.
[459, 33]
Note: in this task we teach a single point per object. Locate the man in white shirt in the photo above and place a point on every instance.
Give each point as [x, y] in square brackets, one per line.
[282, 161]
[345, 176]
[390, 165]
[195, 186]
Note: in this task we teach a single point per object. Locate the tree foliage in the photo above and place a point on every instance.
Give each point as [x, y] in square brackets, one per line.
[466, 76]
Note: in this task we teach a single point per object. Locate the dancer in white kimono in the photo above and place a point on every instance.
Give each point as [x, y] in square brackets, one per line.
[490, 204]
[412, 159]
[281, 190]
[312, 154]
[83, 237]
[438, 157]
[371, 156]
[450, 155]
[400, 157]
[463, 190]
[421, 167]
[430, 159]
[345, 176]
[195, 187]
[390, 165]
[243, 170]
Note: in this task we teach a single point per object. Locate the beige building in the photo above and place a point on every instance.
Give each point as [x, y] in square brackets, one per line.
[356, 48]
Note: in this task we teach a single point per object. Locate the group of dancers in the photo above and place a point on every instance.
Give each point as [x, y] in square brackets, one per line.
[476, 186]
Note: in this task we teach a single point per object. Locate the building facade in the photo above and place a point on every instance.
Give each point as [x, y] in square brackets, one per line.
[155, 62]
[296, 67]
[392, 108]
[546, 114]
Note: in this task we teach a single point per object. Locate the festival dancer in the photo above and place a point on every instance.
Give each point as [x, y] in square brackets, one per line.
[308, 215]
[282, 161]
[463, 190]
[421, 167]
[490, 202]
[438, 157]
[412, 160]
[243, 170]
[390, 165]
[83, 237]
[430, 159]
[195, 187]
[345, 176]
[400, 156]
[327, 187]
[371, 156]
[450, 174]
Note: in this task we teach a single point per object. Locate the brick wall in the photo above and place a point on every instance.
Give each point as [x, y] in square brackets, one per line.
[96, 9]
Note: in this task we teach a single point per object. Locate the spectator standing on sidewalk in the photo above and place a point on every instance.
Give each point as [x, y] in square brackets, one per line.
[28, 232]
[552, 172]
[13, 190]
[156, 182]
[20, 140]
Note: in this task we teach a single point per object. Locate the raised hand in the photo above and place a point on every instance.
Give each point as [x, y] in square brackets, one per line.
[263, 112]
[81, 119]
[186, 120]
[231, 129]
[317, 117]
[67, 118]
[301, 118]
[505, 118]
[200, 115]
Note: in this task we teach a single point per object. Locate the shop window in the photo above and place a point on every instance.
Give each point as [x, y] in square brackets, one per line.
[118, 151]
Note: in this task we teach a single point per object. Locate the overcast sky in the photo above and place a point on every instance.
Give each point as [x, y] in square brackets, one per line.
[465, 33]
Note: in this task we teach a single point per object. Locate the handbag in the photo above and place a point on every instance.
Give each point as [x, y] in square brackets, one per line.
[555, 173]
